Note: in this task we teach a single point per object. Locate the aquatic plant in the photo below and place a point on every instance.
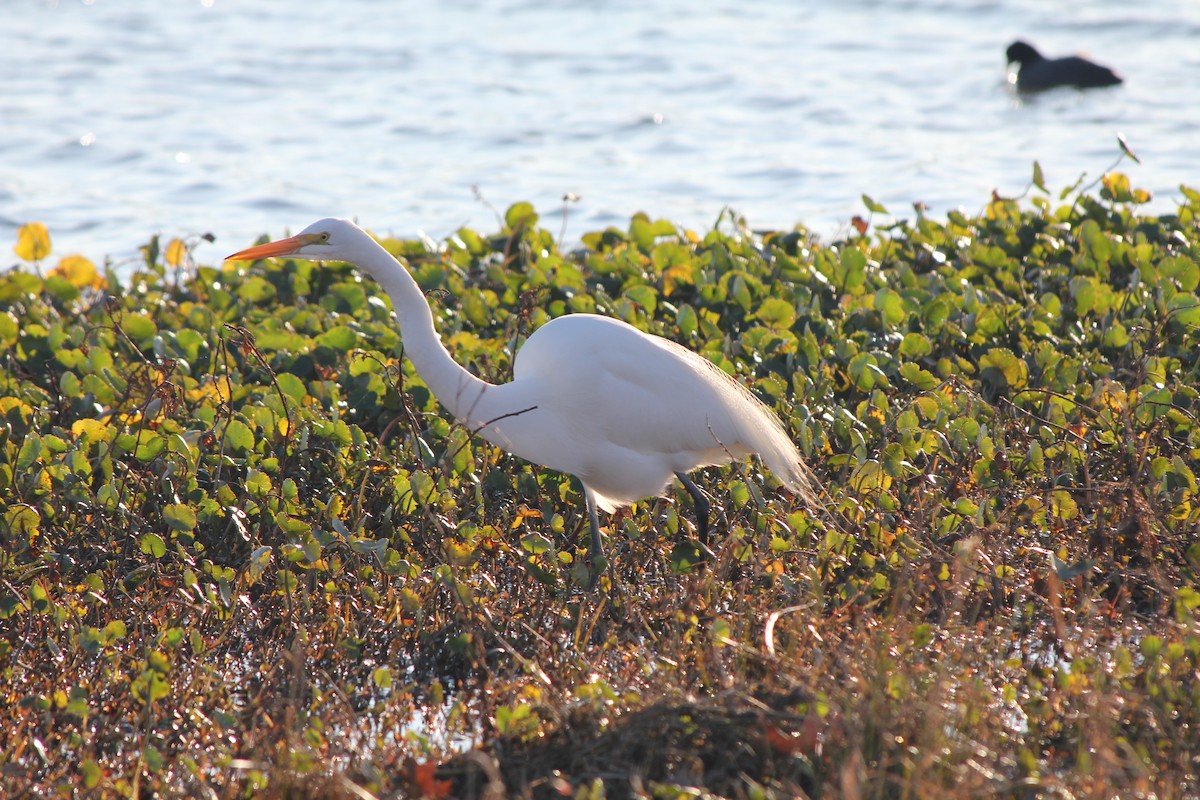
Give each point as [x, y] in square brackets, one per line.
[242, 551]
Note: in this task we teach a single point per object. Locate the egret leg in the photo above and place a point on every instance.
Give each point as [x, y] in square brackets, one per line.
[700, 502]
[596, 546]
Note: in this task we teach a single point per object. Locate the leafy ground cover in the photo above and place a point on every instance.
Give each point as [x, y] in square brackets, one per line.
[245, 554]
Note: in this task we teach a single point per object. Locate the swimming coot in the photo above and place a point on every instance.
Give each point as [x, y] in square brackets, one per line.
[1036, 73]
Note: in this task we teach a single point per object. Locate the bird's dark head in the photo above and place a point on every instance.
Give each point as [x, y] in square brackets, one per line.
[1022, 52]
[328, 239]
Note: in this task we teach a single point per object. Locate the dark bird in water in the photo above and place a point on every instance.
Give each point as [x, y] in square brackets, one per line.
[1037, 73]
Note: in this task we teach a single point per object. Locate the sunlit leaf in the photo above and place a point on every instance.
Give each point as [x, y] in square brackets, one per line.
[33, 242]
[382, 677]
[175, 254]
[79, 272]
[152, 545]
[1116, 187]
[93, 430]
[520, 214]
[238, 436]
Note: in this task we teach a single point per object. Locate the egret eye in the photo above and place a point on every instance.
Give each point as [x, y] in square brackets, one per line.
[325, 237]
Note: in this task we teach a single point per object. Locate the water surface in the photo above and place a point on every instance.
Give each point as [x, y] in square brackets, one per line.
[242, 117]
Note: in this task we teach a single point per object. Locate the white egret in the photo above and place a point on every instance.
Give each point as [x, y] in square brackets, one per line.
[594, 397]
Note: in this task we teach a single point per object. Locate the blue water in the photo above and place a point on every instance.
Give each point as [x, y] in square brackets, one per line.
[119, 120]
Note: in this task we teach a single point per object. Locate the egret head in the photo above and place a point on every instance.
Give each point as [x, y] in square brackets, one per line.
[325, 240]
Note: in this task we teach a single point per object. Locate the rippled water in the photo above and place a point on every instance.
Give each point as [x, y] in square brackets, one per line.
[243, 117]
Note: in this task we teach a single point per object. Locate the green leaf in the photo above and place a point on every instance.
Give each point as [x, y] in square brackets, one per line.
[150, 447]
[1001, 363]
[686, 320]
[152, 545]
[256, 290]
[138, 327]
[776, 313]
[866, 373]
[853, 270]
[1039, 180]
[1083, 292]
[258, 483]
[536, 544]
[338, 338]
[22, 520]
[872, 206]
[150, 755]
[721, 632]
[382, 677]
[1095, 241]
[915, 345]
[91, 773]
[8, 328]
[1184, 309]
[113, 631]
[292, 386]
[238, 437]
[890, 306]
[922, 635]
[644, 296]
[179, 517]
[520, 214]
[30, 452]
[686, 556]
[893, 462]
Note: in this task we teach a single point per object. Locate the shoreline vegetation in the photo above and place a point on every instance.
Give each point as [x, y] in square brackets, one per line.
[243, 553]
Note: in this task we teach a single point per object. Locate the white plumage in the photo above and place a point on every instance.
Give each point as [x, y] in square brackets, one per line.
[622, 410]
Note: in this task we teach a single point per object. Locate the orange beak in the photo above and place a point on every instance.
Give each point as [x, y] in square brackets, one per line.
[283, 247]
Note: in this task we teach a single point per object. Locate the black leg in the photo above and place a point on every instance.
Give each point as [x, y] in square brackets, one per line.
[700, 502]
[596, 560]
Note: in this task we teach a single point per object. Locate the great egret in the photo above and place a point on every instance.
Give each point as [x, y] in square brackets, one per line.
[621, 410]
[1036, 73]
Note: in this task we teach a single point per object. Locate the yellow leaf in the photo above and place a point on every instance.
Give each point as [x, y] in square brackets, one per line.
[33, 242]
[92, 429]
[80, 272]
[524, 513]
[9, 403]
[217, 389]
[677, 274]
[458, 553]
[1117, 185]
[24, 519]
[175, 253]
[129, 418]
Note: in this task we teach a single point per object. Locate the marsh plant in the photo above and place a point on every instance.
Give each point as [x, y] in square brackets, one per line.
[243, 552]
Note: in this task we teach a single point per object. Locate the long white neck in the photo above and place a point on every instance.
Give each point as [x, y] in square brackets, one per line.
[462, 393]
